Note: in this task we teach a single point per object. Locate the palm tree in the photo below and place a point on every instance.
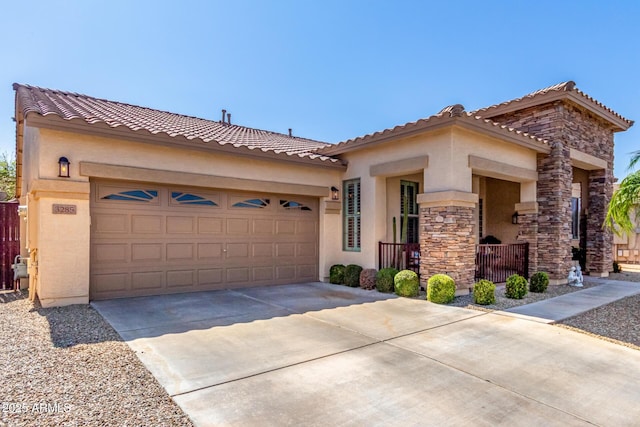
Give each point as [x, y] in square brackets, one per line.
[625, 202]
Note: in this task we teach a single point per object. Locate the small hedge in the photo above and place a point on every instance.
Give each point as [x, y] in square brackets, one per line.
[352, 275]
[484, 292]
[539, 282]
[384, 279]
[336, 274]
[441, 289]
[368, 278]
[516, 287]
[407, 284]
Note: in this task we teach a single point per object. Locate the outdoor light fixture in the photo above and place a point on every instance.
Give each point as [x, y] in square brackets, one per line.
[335, 193]
[63, 167]
[514, 218]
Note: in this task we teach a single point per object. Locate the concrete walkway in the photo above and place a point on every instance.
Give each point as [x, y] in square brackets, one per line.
[317, 354]
[553, 310]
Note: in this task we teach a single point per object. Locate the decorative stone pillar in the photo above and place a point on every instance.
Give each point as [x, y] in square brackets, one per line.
[599, 240]
[447, 238]
[554, 213]
[528, 231]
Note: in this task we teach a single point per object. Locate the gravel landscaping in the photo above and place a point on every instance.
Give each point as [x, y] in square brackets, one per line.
[67, 366]
[617, 322]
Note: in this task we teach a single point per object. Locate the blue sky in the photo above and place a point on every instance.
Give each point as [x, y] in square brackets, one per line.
[331, 70]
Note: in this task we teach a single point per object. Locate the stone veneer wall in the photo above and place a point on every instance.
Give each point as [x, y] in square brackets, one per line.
[566, 126]
[599, 241]
[554, 214]
[528, 232]
[447, 244]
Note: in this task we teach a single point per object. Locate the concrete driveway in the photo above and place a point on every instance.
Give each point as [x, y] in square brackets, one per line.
[320, 354]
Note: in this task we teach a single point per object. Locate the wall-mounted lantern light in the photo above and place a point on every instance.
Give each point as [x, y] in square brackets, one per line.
[63, 167]
[335, 193]
[514, 218]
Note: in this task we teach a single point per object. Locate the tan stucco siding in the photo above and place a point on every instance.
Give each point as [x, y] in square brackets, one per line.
[501, 198]
[60, 244]
[79, 148]
[448, 169]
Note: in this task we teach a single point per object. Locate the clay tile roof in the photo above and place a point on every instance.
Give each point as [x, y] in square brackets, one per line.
[74, 106]
[451, 111]
[566, 87]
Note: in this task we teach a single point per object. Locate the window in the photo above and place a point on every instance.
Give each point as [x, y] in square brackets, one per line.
[408, 192]
[351, 215]
[292, 205]
[191, 199]
[133, 196]
[576, 208]
[252, 203]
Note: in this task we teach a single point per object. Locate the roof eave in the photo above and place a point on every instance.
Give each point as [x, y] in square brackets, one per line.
[55, 122]
[496, 130]
[435, 123]
[404, 131]
[619, 123]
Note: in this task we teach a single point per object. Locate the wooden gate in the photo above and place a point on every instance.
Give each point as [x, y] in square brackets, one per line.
[9, 241]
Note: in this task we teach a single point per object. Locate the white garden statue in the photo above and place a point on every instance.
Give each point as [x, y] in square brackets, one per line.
[575, 277]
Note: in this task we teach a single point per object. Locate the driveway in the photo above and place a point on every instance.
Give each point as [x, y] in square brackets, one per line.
[320, 354]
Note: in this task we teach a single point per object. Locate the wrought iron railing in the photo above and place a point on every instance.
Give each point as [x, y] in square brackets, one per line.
[402, 256]
[493, 262]
[497, 262]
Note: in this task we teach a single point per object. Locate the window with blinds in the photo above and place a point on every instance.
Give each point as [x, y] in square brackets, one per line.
[351, 215]
[408, 192]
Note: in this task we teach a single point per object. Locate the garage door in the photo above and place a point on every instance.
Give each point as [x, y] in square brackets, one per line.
[148, 239]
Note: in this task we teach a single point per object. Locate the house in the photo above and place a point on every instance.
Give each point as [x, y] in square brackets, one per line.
[123, 200]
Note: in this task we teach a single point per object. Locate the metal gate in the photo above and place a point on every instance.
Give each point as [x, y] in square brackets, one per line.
[9, 241]
[498, 262]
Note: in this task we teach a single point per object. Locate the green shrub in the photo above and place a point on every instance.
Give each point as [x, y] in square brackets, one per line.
[484, 292]
[539, 282]
[516, 287]
[384, 279]
[407, 284]
[336, 274]
[368, 278]
[352, 275]
[441, 289]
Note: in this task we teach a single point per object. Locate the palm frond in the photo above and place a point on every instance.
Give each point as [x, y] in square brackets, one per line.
[624, 205]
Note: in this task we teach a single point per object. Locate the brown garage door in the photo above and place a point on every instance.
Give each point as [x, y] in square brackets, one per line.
[148, 239]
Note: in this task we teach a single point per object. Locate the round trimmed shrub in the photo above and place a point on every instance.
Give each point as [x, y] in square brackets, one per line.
[384, 279]
[406, 283]
[352, 275]
[336, 274]
[484, 292]
[441, 289]
[516, 287]
[368, 278]
[539, 282]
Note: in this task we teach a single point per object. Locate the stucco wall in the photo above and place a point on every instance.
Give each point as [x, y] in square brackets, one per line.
[448, 152]
[500, 200]
[60, 244]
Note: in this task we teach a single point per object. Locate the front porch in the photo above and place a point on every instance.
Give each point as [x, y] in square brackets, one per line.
[495, 262]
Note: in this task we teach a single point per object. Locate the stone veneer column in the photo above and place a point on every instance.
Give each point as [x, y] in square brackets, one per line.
[528, 231]
[447, 237]
[599, 240]
[554, 213]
